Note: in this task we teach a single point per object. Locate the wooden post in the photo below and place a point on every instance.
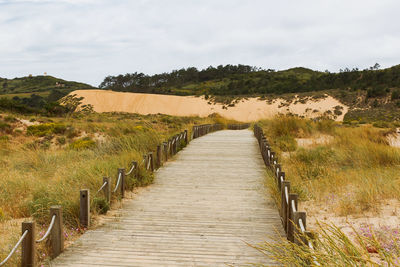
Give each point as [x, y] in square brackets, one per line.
[57, 233]
[269, 155]
[145, 161]
[280, 174]
[186, 137]
[170, 152]
[122, 183]
[107, 189]
[151, 158]
[277, 169]
[135, 170]
[28, 245]
[159, 156]
[298, 235]
[84, 212]
[272, 157]
[165, 151]
[290, 221]
[284, 204]
[175, 144]
[178, 143]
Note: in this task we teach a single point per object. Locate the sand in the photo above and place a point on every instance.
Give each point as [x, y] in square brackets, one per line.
[246, 110]
[394, 139]
[322, 139]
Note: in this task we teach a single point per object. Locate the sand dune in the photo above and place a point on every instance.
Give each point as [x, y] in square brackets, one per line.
[246, 110]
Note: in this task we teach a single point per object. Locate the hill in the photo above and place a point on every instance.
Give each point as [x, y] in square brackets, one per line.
[36, 94]
[372, 94]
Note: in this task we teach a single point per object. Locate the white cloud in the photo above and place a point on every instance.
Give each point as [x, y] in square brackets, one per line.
[86, 40]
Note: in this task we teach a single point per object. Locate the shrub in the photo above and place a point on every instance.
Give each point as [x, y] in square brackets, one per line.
[71, 132]
[82, 144]
[396, 94]
[10, 119]
[4, 138]
[381, 124]
[5, 127]
[61, 140]
[46, 129]
[101, 205]
[376, 92]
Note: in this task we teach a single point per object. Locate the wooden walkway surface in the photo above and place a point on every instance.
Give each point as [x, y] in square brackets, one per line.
[203, 208]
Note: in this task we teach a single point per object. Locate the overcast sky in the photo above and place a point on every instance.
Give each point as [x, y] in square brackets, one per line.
[86, 40]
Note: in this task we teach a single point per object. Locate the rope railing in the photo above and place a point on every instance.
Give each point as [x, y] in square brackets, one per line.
[53, 219]
[118, 182]
[148, 165]
[14, 248]
[294, 221]
[200, 130]
[131, 170]
[102, 187]
[28, 241]
[55, 231]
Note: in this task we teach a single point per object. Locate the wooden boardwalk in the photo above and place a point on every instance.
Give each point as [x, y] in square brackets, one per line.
[202, 209]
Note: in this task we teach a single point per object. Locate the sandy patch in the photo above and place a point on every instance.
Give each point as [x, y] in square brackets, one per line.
[388, 216]
[247, 110]
[28, 123]
[309, 142]
[394, 139]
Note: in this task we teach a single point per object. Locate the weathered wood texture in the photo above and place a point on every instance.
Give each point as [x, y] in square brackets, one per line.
[201, 211]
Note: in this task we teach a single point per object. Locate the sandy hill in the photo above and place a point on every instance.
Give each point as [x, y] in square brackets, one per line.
[245, 110]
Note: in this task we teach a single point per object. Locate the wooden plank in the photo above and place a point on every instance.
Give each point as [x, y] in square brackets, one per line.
[202, 210]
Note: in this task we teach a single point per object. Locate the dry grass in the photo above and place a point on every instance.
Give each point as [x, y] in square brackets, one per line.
[40, 170]
[357, 166]
[352, 174]
[335, 248]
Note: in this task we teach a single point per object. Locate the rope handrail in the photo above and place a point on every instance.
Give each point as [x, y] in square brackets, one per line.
[148, 165]
[293, 206]
[131, 170]
[53, 219]
[119, 180]
[14, 248]
[302, 228]
[102, 187]
[286, 194]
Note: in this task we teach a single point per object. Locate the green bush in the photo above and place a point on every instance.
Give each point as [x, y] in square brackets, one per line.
[381, 124]
[5, 127]
[4, 138]
[82, 144]
[61, 140]
[46, 129]
[10, 119]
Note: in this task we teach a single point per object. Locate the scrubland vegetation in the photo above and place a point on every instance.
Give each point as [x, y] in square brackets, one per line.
[46, 161]
[350, 170]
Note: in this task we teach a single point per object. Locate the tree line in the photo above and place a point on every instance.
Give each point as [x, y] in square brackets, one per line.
[249, 80]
